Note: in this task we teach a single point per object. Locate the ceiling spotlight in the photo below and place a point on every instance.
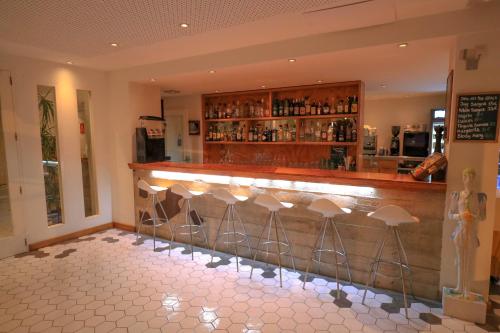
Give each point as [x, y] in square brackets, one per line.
[383, 85]
[402, 45]
[153, 79]
[114, 44]
[69, 62]
[262, 86]
[292, 60]
[320, 81]
[184, 25]
[217, 91]
[211, 71]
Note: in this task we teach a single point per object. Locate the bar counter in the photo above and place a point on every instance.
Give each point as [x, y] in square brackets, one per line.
[361, 192]
[369, 179]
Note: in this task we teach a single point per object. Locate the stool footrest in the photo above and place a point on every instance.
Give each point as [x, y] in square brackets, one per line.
[149, 222]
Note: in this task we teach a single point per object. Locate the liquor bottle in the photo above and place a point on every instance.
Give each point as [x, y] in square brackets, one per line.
[229, 110]
[324, 135]
[274, 135]
[354, 107]
[317, 132]
[346, 107]
[302, 108]
[265, 111]
[236, 113]
[354, 134]
[329, 134]
[308, 106]
[319, 108]
[275, 108]
[206, 110]
[341, 132]
[251, 110]
[326, 107]
[348, 132]
[293, 133]
[286, 110]
[349, 104]
[340, 106]
[238, 134]
[296, 108]
[281, 108]
[280, 134]
[313, 108]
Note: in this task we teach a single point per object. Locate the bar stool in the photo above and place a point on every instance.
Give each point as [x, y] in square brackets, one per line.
[273, 205]
[194, 229]
[232, 215]
[155, 221]
[329, 210]
[392, 216]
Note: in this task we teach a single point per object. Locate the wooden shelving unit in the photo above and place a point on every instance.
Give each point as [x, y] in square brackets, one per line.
[289, 151]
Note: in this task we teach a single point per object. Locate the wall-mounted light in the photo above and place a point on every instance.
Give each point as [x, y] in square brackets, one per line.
[184, 25]
[402, 45]
[113, 44]
[292, 60]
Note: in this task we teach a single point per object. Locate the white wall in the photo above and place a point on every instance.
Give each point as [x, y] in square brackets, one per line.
[190, 108]
[384, 113]
[27, 74]
[483, 157]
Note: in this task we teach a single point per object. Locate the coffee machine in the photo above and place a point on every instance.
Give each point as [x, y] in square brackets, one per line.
[150, 139]
[369, 140]
[395, 140]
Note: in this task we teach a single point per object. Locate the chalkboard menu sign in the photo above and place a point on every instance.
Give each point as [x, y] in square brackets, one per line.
[477, 117]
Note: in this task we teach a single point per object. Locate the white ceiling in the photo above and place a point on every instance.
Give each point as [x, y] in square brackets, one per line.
[420, 68]
[148, 31]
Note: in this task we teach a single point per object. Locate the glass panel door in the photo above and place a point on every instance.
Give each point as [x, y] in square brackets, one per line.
[12, 232]
[50, 153]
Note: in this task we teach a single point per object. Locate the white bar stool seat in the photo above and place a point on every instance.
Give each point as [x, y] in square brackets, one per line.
[273, 205]
[194, 229]
[392, 216]
[155, 221]
[233, 235]
[329, 210]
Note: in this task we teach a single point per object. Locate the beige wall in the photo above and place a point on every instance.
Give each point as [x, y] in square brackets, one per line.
[384, 113]
[190, 108]
[27, 74]
[3, 165]
[483, 157]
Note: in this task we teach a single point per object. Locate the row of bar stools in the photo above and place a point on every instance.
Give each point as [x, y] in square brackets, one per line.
[329, 210]
[273, 206]
[392, 216]
[233, 235]
[155, 221]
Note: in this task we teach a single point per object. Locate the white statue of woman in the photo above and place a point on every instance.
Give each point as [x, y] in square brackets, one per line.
[467, 207]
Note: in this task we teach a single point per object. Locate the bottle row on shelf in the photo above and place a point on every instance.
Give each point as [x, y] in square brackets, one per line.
[286, 107]
[343, 130]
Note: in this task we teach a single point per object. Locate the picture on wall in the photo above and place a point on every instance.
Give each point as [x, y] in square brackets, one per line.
[194, 127]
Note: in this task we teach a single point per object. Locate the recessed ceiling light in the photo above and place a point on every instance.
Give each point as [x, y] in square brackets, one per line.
[211, 71]
[262, 86]
[216, 91]
[292, 60]
[153, 79]
[114, 44]
[320, 81]
[402, 45]
[184, 25]
[69, 62]
[383, 85]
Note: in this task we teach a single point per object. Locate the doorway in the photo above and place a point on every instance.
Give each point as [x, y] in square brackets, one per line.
[12, 232]
[174, 137]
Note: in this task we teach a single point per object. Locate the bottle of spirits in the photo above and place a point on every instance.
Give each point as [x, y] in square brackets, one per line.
[280, 134]
[354, 135]
[341, 132]
[354, 107]
[349, 104]
[329, 134]
[275, 108]
[286, 110]
[324, 134]
[326, 107]
[348, 132]
[317, 132]
[302, 108]
[281, 108]
[319, 108]
[296, 108]
[293, 134]
[308, 106]
[313, 108]
[340, 106]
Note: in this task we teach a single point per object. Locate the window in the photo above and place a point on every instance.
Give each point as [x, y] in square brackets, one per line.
[50, 155]
[86, 155]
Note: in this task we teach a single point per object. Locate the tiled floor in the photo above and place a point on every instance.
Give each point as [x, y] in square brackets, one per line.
[108, 282]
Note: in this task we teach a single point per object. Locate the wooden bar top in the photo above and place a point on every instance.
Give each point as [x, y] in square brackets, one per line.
[369, 179]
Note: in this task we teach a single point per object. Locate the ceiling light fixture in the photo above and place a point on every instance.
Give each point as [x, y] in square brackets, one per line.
[262, 86]
[216, 91]
[320, 81]
[383, 85]
[292, 60]
[153, 79]
[114, 44]
[211, 71]
[402, 45]
[69, 62]
[184, 25]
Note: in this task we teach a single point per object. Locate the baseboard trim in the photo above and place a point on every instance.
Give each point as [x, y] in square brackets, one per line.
[125, 227]
[73, 235]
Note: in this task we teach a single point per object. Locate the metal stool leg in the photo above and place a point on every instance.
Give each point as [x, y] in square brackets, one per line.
[344, 252]
[140, 225]
[375, 263]
[155, 219]
[313, 252]
[217, 233]
[405, 257]
[335, 256]
[325, 223]
[244, 231]
[401, 271]
[258, 244]
[188, 221]
[166, 219]
[231, 214]
[290, 247]
[279, 248]
[174, 230]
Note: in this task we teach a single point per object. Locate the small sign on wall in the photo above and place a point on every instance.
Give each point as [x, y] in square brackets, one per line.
[194, 127]
[476, 117]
